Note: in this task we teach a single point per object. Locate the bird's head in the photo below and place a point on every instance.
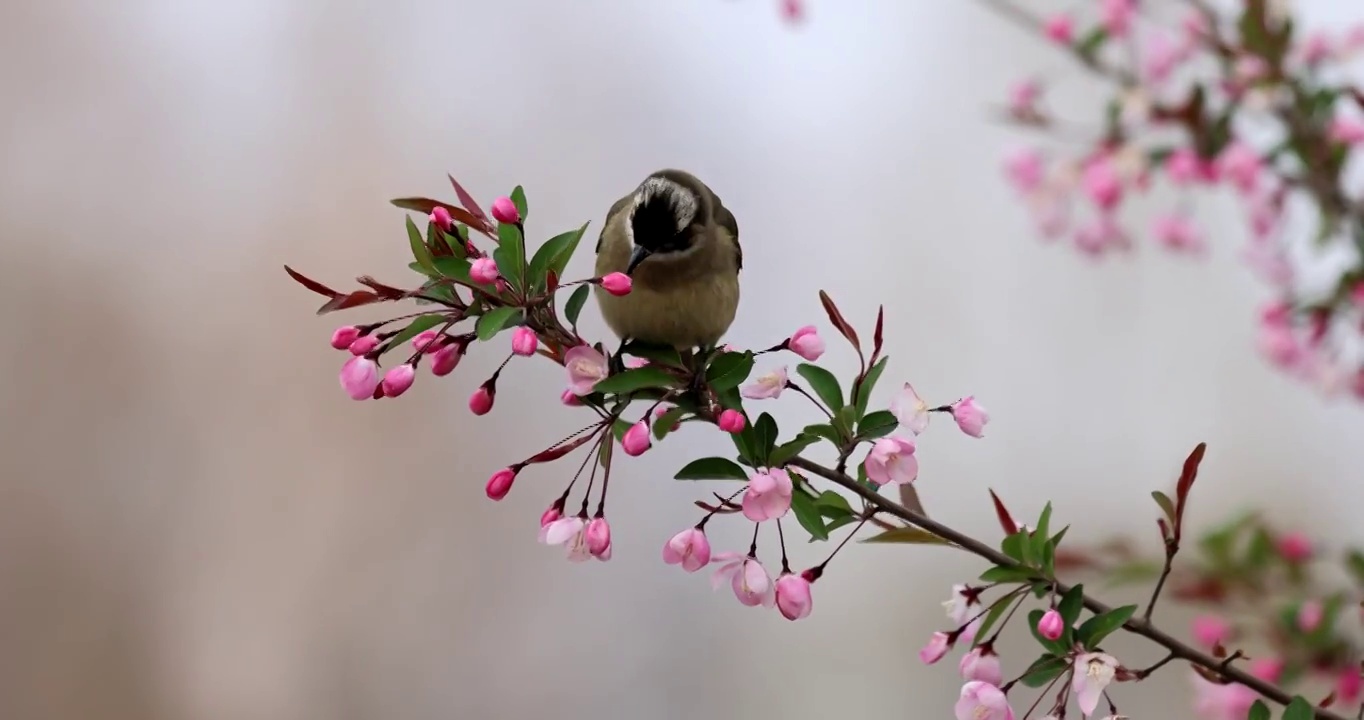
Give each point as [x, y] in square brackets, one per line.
[661, 220]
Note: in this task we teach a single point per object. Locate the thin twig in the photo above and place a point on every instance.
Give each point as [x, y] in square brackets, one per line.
[1160, 584]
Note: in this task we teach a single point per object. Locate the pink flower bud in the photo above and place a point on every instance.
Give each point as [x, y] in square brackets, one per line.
[360, 378]
[970, 416]
[1178, 233]
[428, 342]
[1025, 170]
[1269, 669]
[937, 647]
[1346, 130]
[636, 439]
[1241, 165]
[662, 410]
[1060, 28]
[1116, 16]
[1310, 615]
[481, 402]
[550, 515]
[1102, 182]
[806, 343]
[569, 399]
[689, 548]
[483, 271]
[598, 536]
[981, 664]
[732, 421]
[500, 285]
[446, 360]
[1210, 630]
[364, 345]
[500, 484]
[617, 284]
[504, 211]
[1051, 625]
[345, 336]
[398, 379]
[1294, 547]
[524, 341]
[440, 217]
[793, 596]
[1023, 96]
[1349, 684]
[768, 496]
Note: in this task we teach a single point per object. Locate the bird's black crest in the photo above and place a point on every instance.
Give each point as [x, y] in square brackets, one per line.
[655, 222]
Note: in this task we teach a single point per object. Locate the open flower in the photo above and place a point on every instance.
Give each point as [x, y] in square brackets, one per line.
[569, 532]
[910, 410]
[749, 579]
[970, 416]
[689, 548]
[768, 496]
[937, 647]
[892, 460]
[767, 387]
[586, 367]
[1093, 673]
[806, 343]
[983, 701]
[981, 664]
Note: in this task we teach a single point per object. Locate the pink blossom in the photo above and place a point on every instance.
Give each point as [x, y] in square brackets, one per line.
[505, 212]
[662, 410]
[597, 535]
[910, 410]
[635, 363]
[689, 548]
[1345, 129]
[524, 341]
[569, 532]
[792, 11]
[1316, 48]
[1051, 625]
[981, 664]
[1269, 263]
[982, 701]
[586, 367]
[1249, 69]
[1195, 25]
[446, 360]
[481, 402]
[1221, 702]
[1093, 673]
[440, 217]
[1023, 96]
[732, 421]
[1100, 235]
[970, 416]
[1280, 346]
[1349, 684]
[750, 581]
[398, 379]
[892, 460]
[1101, 181]
[806, 343]
[1310, 615]
[1178, 233]
[960, 605]
[1184, 167]
[1295, 547]
[1160, 57]
[768, 496]
[1025, 170]
[793, 596]
[501, 483]
[1116, 16]
[1241, 165]
[937, 647]
[1210, 630]
[1060, 28]
[343, 337]
[360, 378]
[617, 284]
[1269, 669]
[637, 439]
[552, 513]
[483, 271]
[767, 387]
[364, 345]
[427, 341]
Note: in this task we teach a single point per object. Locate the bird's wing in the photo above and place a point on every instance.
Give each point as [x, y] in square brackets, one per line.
[619, 206]
[725, 219]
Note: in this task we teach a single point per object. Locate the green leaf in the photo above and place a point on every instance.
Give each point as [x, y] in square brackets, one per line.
[518, 198]
[742, 444]
[712, 468]
[418, 325]
[665, 422]
[619, 428]
[729, 370]
[764, 438]
[1089, 45]
[510, 255]
[1043, 671]
[997, 611]
[637, 379]
[453, 268]
[808, 516]
[1166, 504]
[878, 424]
[839, 522]
[828, 432]
[1095, 629]
[843, 421]
[1355, 562]
[547, 257]
[863, 391]
[1261, 549]
[1299, 709]
[823, 383]
[783, 453]
[907, 536]
[417, 268]
[494, 321]
[574, 307]
[419, 249]
[1003, 574]
[1259, 711]
[1055, 647]
[832, 504]
[1043, 531]
[1019, 546]
[1072, 603]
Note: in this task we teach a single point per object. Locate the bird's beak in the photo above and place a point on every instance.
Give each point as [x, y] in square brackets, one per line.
[636, 257]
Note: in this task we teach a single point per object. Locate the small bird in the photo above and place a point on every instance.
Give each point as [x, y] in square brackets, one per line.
[680, 246]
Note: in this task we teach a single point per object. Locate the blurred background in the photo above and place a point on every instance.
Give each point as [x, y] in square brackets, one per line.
[195, 523]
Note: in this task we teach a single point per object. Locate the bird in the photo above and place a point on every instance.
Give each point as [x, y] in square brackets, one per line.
[680, 246]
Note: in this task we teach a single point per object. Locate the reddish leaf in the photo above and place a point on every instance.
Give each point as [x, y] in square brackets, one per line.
[562, 449]
[345, 302]
[387, 292]
[1164, 528]
[552, 281]
[1005, 521]
[712, 508]
[876, 336]
[471, 204]
[1186, 481]
[838, 321]
[311, 284]
[1328, 701]
[426, 205]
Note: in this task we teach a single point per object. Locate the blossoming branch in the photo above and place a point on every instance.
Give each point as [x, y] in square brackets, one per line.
[478, 283]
